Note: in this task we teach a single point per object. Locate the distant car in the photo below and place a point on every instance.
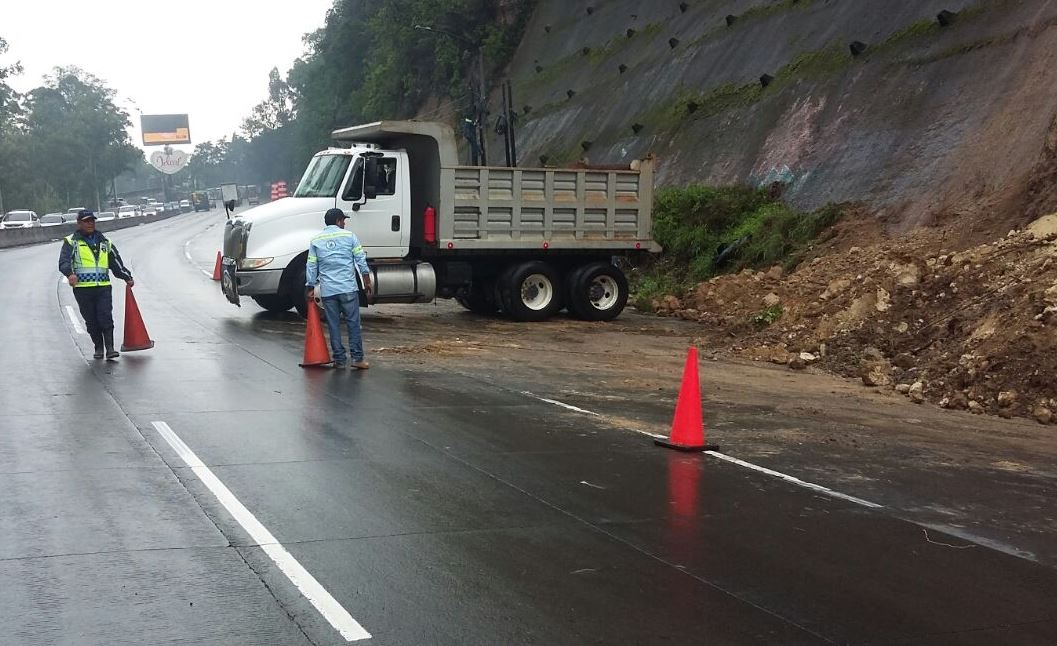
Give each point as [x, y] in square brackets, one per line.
[128, 211]
[200, 202]
[69, 217]
[185, 206]
[75, 210]
[52, 220]
[20, 220]
[105, 215]
[149, 210]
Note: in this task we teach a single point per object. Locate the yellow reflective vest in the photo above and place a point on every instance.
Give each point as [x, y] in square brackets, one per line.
[92, 271]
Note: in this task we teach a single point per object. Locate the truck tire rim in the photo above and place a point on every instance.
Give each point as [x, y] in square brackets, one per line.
[603, 292]
[537, 292]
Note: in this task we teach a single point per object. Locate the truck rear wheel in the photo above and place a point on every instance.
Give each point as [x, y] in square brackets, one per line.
[274, 302]
[597, 292]
[531, 291]
[477, 303]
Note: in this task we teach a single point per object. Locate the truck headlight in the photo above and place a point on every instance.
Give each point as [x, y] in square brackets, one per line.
[254, 263]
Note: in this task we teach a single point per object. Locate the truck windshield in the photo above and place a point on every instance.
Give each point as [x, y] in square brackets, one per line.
[323, 177]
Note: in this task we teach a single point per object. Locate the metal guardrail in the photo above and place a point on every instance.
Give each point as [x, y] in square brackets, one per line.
[39, 235]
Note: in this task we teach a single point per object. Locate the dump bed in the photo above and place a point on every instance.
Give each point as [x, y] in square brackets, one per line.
[486, 208]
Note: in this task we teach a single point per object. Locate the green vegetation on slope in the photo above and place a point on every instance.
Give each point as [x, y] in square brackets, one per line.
[708, 230]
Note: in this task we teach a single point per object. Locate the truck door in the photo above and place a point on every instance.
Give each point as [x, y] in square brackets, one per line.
[379, 223]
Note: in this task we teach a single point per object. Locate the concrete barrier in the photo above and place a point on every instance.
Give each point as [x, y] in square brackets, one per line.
[39, 235]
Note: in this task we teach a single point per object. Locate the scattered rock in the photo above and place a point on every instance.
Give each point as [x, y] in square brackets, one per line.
[903, 389]
[1050, 295]
[1042, 415]
[976, 408]
[771, 300]
[797, 363]
[807, 357]
[904, 360]
[917, 392]
[1007, 398]
[902, 328]
[873, 354]
[776, 272]
[876, 373]
[884, 300]
[1044, 228]
[957, 401]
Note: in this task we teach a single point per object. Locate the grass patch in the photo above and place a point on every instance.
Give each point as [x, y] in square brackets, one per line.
[768, 316]
[706, 231]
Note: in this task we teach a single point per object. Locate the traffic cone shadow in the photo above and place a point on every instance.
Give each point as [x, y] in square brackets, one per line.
[688, 428]
[216, 267]
[135, 337]
[316, 352]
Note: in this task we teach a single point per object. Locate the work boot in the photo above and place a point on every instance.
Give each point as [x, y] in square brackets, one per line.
[97, 339]
[108, 339]
[360, 365]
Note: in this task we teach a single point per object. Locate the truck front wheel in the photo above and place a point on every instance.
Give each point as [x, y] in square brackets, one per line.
[274, 302]
[597, 292]
[531, 291]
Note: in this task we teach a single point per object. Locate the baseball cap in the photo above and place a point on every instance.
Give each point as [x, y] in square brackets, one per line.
[85, 215]
[333, 215]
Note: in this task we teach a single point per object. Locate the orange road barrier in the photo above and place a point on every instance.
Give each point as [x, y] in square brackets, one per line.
[216, 268]
[316, 352]
[135, 337]
[688, 428]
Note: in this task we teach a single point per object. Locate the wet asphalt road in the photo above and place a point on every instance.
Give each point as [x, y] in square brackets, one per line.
[434, 510]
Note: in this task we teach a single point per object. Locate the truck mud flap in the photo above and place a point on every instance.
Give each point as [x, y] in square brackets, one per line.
[228, 283]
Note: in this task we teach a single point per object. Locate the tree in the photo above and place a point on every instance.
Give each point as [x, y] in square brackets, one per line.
[75, 137]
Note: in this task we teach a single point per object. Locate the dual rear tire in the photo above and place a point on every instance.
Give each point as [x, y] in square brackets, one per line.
[536, 291]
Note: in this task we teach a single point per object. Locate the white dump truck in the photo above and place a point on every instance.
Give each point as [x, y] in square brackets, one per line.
[524, 241]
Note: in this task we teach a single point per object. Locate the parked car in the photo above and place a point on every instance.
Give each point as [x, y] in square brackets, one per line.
[185, 206]
[128, 211]
[53, 220]
[20, 220]
[105, 215]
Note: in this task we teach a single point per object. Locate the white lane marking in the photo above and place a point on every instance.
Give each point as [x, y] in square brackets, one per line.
[794, 480]
[732, 460]
[187, 252]
[75, 321]
[317, 595]
[558, 403]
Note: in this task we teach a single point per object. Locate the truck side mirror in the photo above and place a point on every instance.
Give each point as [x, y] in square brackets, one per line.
[370, 174]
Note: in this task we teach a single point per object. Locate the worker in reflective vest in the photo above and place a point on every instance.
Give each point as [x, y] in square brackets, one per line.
[86, 259]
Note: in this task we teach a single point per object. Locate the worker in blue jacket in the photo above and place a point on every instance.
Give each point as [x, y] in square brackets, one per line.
[335, 256]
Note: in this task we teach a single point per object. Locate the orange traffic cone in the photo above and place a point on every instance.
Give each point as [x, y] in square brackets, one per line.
[688, 429]
[316, 353]
[135, 337]
[216, 268]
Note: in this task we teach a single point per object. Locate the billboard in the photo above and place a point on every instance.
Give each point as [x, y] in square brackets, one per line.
[162, 129]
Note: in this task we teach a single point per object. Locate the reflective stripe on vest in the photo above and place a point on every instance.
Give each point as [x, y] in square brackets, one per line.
[91, 272]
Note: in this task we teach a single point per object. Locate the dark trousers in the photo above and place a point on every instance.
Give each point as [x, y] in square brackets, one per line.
[97, 309]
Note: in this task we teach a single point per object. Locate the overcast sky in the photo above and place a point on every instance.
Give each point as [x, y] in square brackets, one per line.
[208, 58]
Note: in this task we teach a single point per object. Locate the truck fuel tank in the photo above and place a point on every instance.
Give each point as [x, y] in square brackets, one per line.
[404, 283]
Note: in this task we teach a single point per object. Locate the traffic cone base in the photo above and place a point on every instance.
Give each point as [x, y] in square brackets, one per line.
[688, 428]
[135, 336]
[216, 267]
[316, 352]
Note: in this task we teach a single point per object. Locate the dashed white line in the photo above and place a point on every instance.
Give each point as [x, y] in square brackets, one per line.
[302, 579]
[75, 321]
[794, 480]
[558, 403]
[722, 456]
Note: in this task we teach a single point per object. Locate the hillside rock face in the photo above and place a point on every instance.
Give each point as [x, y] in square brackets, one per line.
[924, 121]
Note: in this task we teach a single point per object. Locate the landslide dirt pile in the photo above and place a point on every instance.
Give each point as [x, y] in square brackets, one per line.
[974, 328]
